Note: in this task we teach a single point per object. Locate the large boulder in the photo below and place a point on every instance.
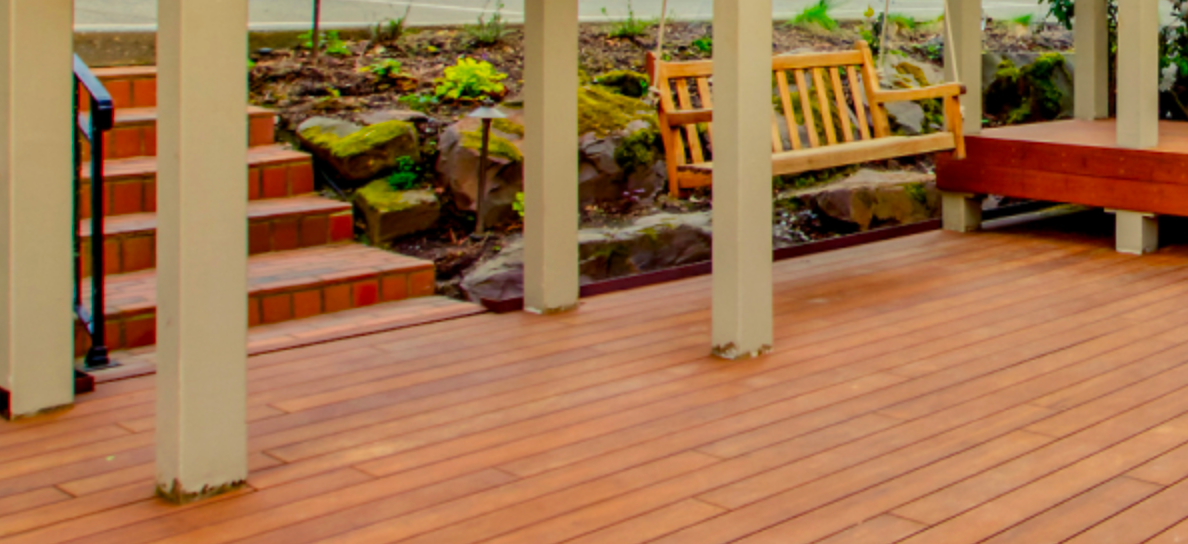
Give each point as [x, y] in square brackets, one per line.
[873, 198]
[620, 158]
[391, 214]
[650, 243]
[459, 147]
[913, 118]
[1028, 86]
[357, 153]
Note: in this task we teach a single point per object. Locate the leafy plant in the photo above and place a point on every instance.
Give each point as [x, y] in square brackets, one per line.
[1023, 20]
[407, 176]
[705, 44]
[329, 41]
[383, 69]
[518, 205]
[904, 22]
[488, 32]
[816, 14]
[631, 28]
[470, 80]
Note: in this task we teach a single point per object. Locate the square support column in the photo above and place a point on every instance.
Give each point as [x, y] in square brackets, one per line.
[550, 156]
[1138, 74]
[202, 248]
[36, 211]
[1092, 79]
[965, 54]
[961, 212]
[742, 280]
[1135, 233]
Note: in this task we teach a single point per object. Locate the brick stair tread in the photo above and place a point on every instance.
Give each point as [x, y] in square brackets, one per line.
[136, 167]
[136, 292]
[319, 329]
[257, 209]
[139, 116]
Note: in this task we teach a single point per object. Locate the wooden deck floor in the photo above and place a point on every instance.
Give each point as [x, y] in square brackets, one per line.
[1025, 385]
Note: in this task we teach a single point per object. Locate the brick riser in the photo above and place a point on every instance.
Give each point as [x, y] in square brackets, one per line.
[139, 328]
[127, 195]
[139, 139]
[136, 251]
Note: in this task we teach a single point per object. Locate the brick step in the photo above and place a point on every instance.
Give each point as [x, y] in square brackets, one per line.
[274, 171]
[130, 86]
[281, 287]
[283, 224]
[135, 132]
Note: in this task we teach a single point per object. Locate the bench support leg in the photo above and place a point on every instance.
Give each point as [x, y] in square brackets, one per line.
[961, 212]
[1137, 232]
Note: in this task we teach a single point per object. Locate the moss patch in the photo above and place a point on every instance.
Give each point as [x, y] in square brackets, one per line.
[362, 141]
[508, 127]
[383, 198]
[1028, 93]
[603, 111]
[637, 150]
[498, 146]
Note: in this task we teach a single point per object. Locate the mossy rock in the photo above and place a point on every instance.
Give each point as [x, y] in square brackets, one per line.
[364, 153]
[1037, 91]
[391, 214]
[601, 111]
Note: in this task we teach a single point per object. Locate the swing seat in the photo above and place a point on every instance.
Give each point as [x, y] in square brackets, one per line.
[851, 131]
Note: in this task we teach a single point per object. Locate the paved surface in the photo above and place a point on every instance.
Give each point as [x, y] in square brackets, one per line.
[282, 14]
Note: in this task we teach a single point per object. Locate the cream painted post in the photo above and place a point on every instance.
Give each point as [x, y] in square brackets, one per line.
[36, 282]
[965, 54]
[742, 279]
[550, 156]
[202, 248]
[1138, 74]
[1091, 42]
[1136, 233]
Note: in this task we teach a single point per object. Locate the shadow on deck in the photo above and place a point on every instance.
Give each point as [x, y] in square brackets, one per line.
[1020, 385]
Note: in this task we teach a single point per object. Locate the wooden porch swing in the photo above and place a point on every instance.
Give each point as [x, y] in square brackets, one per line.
[838, 132]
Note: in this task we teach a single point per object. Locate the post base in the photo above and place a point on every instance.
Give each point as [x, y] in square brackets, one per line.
[1136, 233]
[961, 212]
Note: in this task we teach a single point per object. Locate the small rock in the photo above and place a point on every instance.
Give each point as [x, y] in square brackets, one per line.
[377, 117]
[391, 214]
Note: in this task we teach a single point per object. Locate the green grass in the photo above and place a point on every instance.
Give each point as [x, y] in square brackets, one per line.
[631, 28]
[1022, 20]
[816, 15]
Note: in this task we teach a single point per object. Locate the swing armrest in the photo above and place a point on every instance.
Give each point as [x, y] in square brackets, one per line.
[936, 91]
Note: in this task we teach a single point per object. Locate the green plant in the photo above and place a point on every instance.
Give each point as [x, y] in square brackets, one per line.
[630, 28]
[407, 176]
[488, 32]
[705, 44]
[518, 205]
[816, 14]
[390, 30]
[1023, 20]
[384, 68]
[418, 102]
[904, 22]
[470, 80]
[329, 41]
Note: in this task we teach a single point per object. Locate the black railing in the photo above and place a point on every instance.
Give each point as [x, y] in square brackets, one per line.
[91, 127]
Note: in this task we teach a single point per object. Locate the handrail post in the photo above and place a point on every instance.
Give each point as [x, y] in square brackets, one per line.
[97, 356]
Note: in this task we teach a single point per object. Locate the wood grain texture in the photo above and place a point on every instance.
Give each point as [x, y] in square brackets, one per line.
[1026, 384]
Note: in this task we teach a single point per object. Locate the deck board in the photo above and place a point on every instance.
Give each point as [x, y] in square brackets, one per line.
[1017, 385]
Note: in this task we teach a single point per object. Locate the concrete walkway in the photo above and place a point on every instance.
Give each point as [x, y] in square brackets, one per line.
[291, 14]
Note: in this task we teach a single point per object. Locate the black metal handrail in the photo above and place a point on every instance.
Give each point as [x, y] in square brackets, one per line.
[91, 127]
